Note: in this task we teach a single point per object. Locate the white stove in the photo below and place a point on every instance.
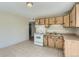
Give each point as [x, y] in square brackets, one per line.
[38, 39]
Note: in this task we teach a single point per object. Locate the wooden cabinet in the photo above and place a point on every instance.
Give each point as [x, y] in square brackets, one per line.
[73, 17]
[51, 42]
[70, 20]
[66, 21]
[46, 22]
[49, 21]
[54, 41]
[42, 21]
[77, 15]
[71, 48]
[56, 21]
[59, 42]
[52, 21]
[59, 20]
[37, 22]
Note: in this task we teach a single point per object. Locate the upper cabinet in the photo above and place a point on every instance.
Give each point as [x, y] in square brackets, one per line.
[52, 21]
[73, 17]
[66, 21]
[72, 20]
[77, 15]
[42, 21]
[59, 20]
[49, 21]
[69, 20]
[46, 22]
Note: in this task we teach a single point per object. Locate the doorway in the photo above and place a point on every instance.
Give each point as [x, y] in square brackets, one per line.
[31, 30]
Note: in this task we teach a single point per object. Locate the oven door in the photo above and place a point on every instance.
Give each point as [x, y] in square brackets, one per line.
[38, 38]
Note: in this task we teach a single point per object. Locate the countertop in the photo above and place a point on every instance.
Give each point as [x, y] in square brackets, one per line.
[67, 36]
[70, 37]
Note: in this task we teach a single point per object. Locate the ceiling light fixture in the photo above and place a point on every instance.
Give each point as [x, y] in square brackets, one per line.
[29, 4]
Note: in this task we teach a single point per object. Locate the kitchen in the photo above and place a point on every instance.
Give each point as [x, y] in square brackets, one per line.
[60, 32]
[42, 29]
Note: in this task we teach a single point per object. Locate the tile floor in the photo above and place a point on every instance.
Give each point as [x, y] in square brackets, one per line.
[28, 49]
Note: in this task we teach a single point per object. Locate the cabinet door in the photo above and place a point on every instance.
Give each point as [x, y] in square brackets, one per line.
[37, 21]
[77, 15]
[51, 42]
[59, 20]
[72, 18]
[66, 21]
[46, 22]
[42, 21]
[59, 42]
[51, 21]
[71, 48]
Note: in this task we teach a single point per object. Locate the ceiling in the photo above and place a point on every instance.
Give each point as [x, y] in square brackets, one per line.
[38, 9]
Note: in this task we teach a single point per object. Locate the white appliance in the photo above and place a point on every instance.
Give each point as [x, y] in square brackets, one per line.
[38, 39]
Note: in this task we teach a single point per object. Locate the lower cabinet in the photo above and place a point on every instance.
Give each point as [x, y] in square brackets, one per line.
[59, 43]
[51, 42]
[71, 48]
[54, 42]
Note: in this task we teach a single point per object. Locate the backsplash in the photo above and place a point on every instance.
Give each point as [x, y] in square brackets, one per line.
[58, 29]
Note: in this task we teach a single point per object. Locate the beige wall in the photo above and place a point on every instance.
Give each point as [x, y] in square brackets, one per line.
[13, 29]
